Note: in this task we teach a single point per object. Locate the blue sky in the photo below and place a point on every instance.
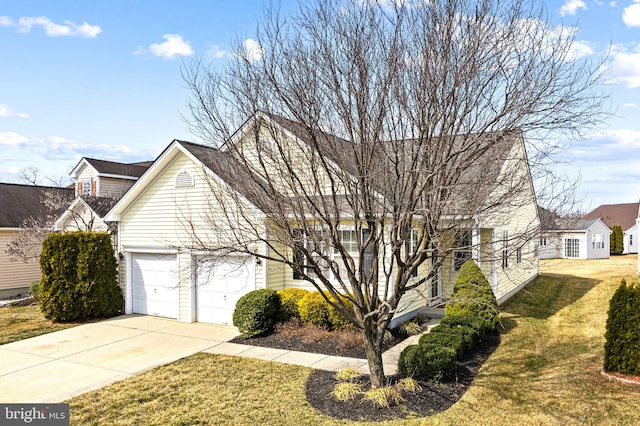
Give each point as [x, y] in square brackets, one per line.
[102, 79]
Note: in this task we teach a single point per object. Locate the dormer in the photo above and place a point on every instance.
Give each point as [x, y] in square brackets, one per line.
[100, 178]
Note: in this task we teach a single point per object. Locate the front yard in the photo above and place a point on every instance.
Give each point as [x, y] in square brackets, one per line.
[22, 322]
[546, 371]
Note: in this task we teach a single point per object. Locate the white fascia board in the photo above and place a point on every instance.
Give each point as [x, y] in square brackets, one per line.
[165, 158]
[78, 168]
[108, 175]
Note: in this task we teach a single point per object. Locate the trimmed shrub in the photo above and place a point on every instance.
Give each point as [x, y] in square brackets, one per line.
[256, 312]
[622, 336]
[430, 362]
[336, 319]
[79, 277]
[445, 336]
[314, 310]
[473, 296]
[34, 289]
[469, 321]
[290, 298]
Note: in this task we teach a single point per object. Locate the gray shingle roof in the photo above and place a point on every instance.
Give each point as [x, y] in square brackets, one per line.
[19, 202]
[120, 169]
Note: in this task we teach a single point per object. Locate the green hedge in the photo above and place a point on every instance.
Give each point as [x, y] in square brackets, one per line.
[473, 311]
[256, 312]
[622, 346]
[79, 276]
[432, 362]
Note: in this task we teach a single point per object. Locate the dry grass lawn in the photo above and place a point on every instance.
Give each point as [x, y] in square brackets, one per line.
[22, 322]
[545, 372]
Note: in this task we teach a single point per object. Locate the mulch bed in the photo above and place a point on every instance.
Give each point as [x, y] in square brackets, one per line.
[433, 398]
[297, 337]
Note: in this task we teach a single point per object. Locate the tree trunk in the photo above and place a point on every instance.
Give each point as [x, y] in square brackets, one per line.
[373, 351]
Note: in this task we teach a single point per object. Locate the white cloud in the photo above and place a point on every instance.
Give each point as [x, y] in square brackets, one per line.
[631, 15]
[6, 112]
[216, 52]
[59, 148]
[251, 51]
[571, 7]
[12, 139]
[580, 49]
[623, 67]
[631, 105]
[172, 47]
[51, 29]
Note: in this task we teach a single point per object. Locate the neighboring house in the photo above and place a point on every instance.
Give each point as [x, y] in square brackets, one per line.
[623, 215]
[162, 271]
[98, 184]
[100, 178]
[25, 205]
[576, 239]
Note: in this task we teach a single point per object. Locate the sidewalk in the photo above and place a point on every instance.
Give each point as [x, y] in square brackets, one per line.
[318, 361]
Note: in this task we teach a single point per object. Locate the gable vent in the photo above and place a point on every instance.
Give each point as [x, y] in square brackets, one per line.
[184, 180]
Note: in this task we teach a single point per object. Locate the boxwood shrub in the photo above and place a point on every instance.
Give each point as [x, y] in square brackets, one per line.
[622, 335]
[337, 321]
[430, 362]
[314, 310]
[78, 276]
[290, 298]
[256, 312]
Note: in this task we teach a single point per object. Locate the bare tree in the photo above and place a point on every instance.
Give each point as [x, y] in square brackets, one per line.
[373, 133]
[35, 227]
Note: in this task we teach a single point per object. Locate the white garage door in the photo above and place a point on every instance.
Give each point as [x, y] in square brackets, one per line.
[155, 284]
[219, 285]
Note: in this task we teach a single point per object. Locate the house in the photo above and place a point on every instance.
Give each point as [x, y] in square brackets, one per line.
[98, 184]
[576, 239]
[164, 271]
[22, 205]
[623, 215]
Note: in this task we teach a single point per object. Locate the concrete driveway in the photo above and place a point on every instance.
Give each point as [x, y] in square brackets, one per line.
[57, 366]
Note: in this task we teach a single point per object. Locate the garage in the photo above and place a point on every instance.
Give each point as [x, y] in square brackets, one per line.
[219, 285]
[155, 284]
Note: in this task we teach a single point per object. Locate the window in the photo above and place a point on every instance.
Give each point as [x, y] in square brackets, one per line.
[412, 247]
[630, 240]
[505, 249]
[572, 248]
[86, 187]
[597, 241]
[543, 241]
[462, 248]
[348, 240]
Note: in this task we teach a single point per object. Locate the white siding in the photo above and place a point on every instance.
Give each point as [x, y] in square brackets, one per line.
[111, 187]
[165, 218]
